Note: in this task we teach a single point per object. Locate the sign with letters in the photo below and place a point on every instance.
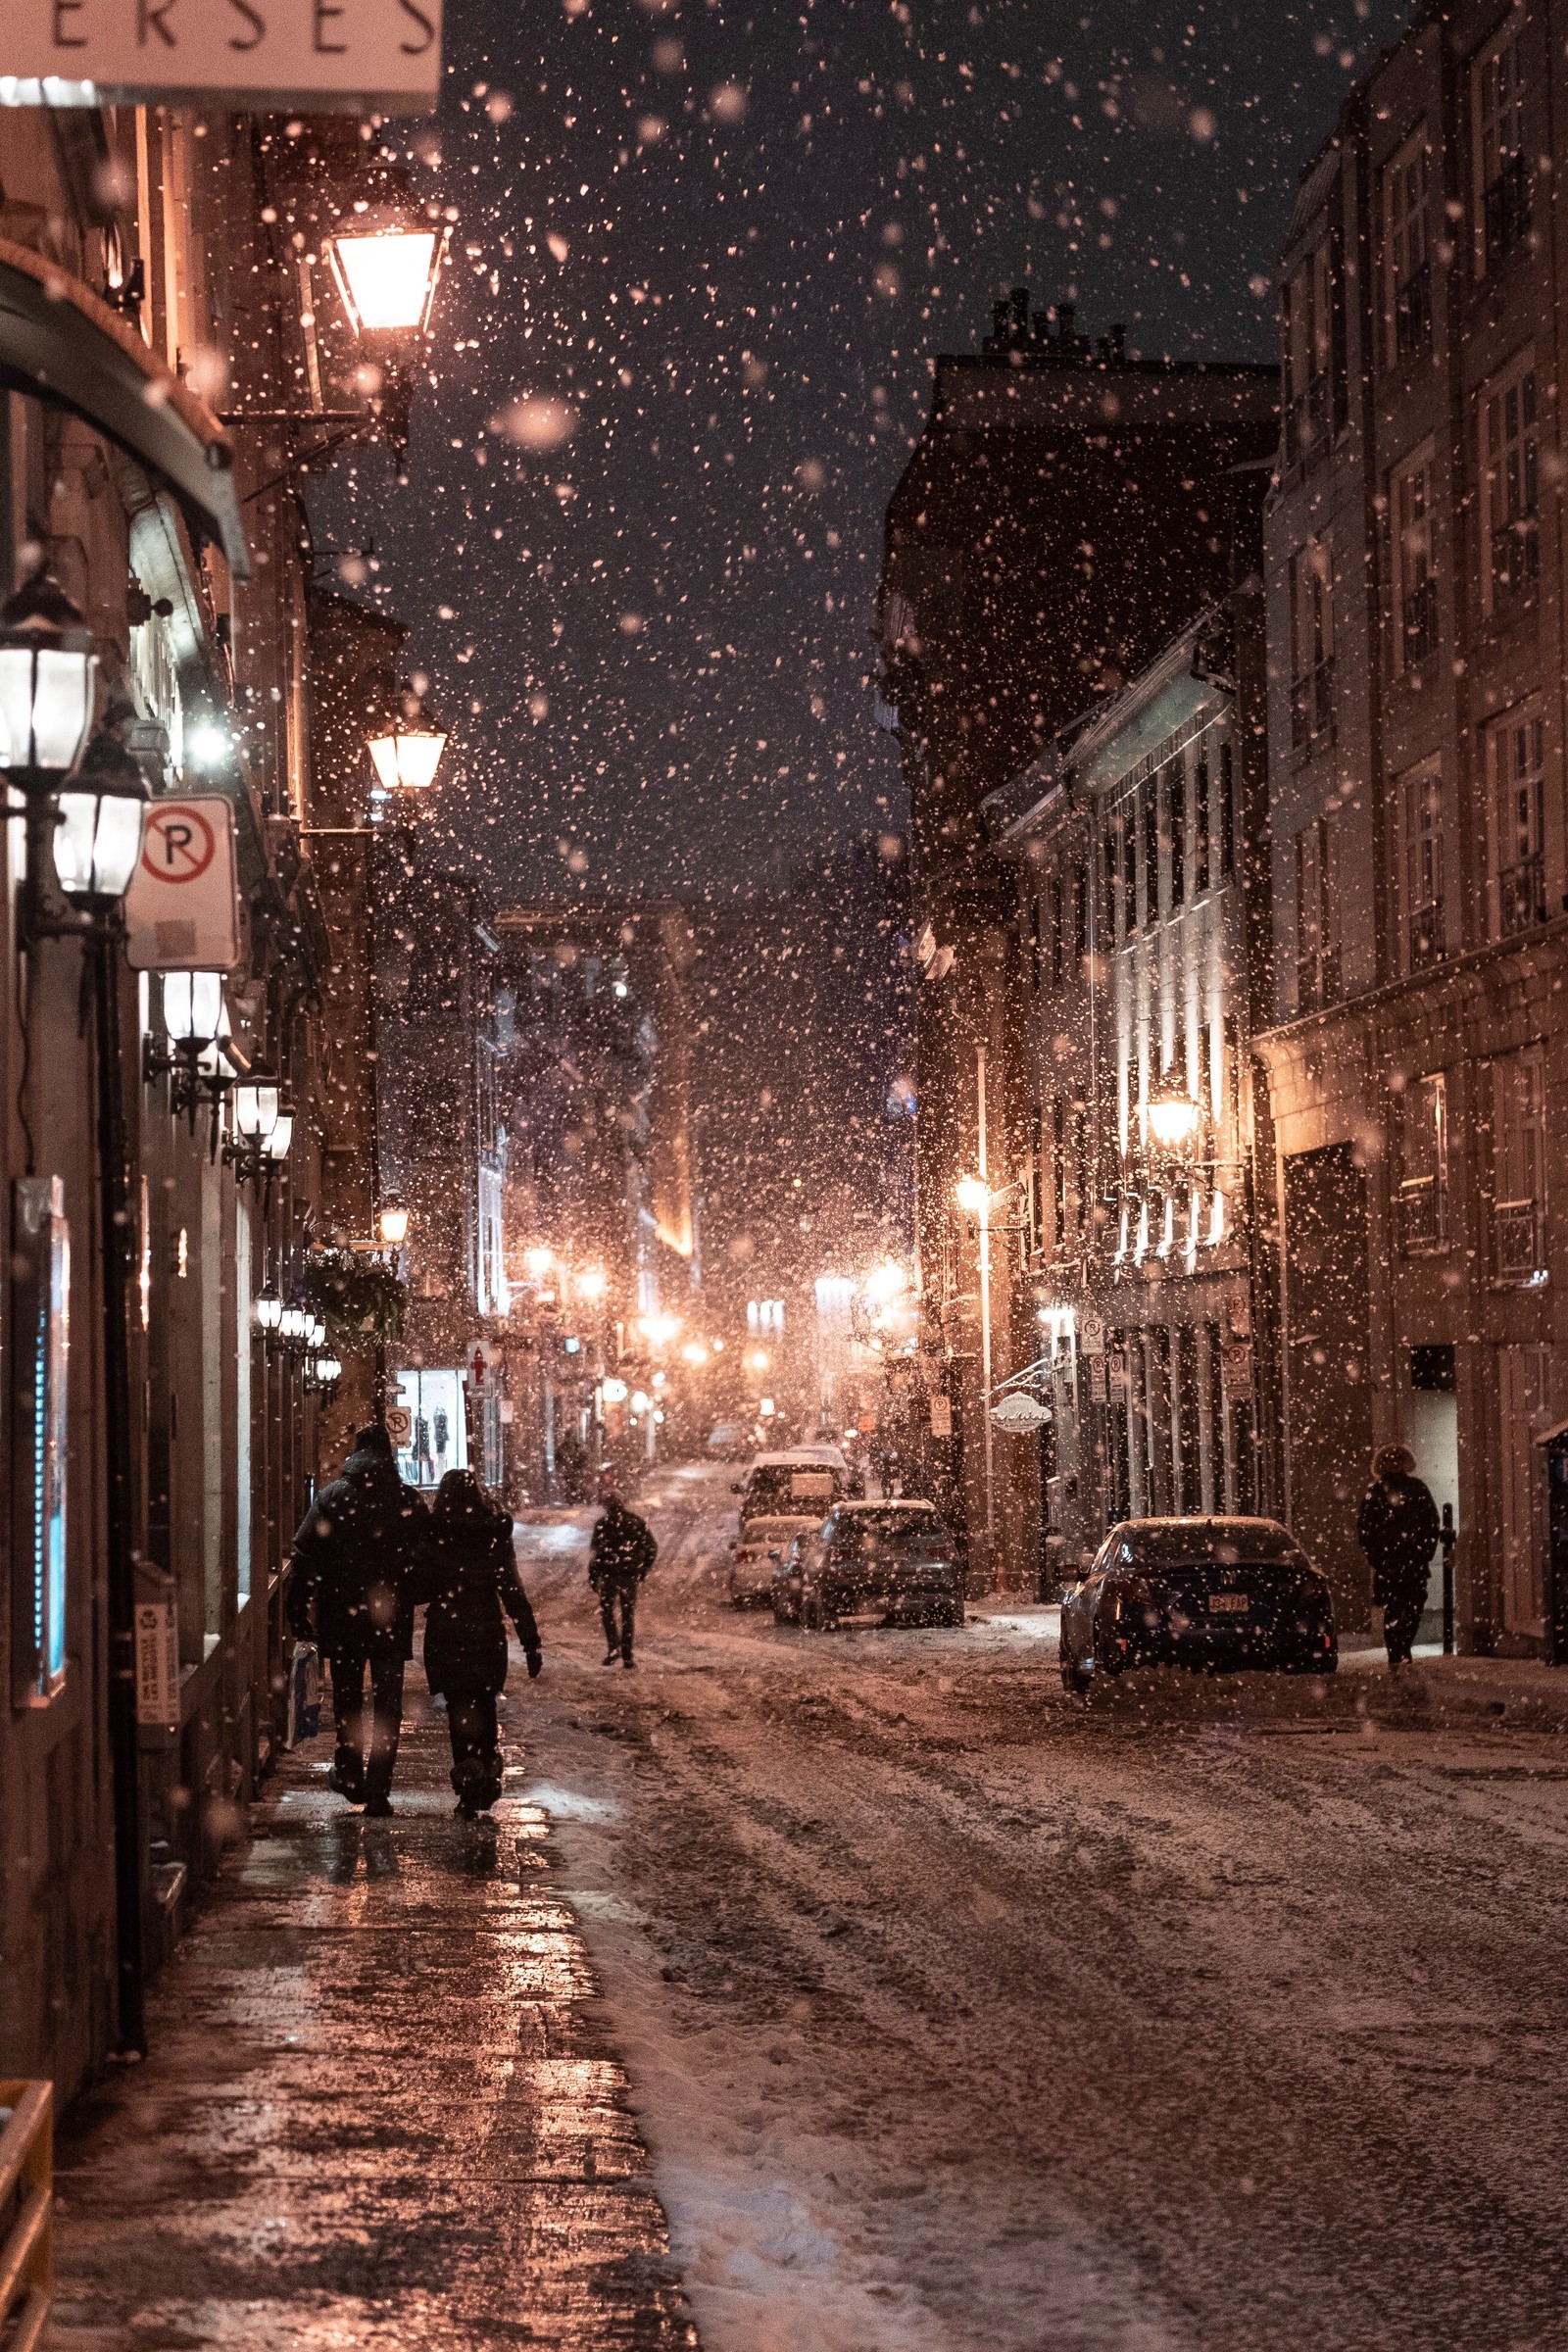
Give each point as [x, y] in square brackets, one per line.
[182, 907]
[384, 54]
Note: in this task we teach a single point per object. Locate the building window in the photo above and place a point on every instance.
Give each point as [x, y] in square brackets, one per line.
[1037, 1185]
[1518, 1212]
[1502, 160]
[1111, 862]
[1149, 801]
[1202, 845]
[1080, 917]
[1516, 781]
[1421, 829]
[1317, 915]
[1415, 587]
[1310, 335]
[1176, 818]
[1129, 865]
[1406, 261]
[1511, 484]
[1311, 582]
[1424, 1182]
[1054, 924]
[1227, 812]
[1080, 1164]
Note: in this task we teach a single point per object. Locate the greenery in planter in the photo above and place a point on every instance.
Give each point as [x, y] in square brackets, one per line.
[362, 1302]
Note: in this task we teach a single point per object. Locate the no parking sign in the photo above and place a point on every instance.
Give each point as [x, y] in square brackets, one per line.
[182, 908]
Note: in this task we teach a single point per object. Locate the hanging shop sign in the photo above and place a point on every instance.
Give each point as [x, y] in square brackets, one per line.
[380, 55]
[1020, 1413]
[182, 908]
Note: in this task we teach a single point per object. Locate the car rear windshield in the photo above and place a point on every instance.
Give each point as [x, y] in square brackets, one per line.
[891, 1531]
[1203, 1539]
[772, 1489]
[773, 1531]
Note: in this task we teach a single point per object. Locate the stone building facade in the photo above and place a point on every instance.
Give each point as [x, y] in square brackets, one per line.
[1416, 1068]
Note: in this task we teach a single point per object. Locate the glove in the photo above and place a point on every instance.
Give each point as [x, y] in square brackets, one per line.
[535, 1662]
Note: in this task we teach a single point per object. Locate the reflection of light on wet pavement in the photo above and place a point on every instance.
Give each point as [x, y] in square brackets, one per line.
[566, 1804]
[377, 2115]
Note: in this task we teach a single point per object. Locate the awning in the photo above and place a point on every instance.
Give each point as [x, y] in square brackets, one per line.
[60, 343]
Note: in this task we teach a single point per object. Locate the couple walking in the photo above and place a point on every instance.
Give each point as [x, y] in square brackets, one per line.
[368, 1552]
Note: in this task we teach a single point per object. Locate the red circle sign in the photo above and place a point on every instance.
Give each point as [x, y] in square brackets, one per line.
[179, 844]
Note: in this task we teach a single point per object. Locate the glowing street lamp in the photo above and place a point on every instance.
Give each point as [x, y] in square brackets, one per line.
[538, 1261]
[393, 1224]
[973, 1196]
[102, 811]
[386, 268]
[1173, 1121]
[405, 751]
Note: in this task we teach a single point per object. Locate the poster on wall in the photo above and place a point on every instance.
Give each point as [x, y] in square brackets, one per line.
[379, 56]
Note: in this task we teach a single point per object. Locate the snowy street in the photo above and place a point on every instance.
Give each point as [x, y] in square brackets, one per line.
[957, 2014]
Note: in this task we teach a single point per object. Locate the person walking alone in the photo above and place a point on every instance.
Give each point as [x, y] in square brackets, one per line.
[1400, 1530]
[620, 1556]
[471, 1577]
[352, 1581]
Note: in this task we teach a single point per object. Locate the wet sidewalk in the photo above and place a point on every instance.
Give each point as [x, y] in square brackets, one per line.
[379, 2110]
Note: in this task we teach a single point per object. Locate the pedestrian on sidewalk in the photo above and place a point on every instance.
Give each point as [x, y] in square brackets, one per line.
[620, 1556]
[1399, 1530]
[471, 1579]
[352, 1581]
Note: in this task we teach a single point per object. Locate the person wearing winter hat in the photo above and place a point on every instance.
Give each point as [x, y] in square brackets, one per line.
[471, 1577]
[1400, 1530]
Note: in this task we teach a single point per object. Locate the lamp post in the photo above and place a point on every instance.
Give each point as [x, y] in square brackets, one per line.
[974, 1198]
[406, 749]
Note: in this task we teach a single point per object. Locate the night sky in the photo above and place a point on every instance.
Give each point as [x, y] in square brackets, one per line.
[724, 246]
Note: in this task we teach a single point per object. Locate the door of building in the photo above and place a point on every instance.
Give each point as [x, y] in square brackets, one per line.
[1430, 1429]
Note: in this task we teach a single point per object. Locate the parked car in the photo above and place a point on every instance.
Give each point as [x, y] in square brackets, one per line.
[898, 1557]
[1211, 1593]
[757, 1550]
[726, 1442]
[779, 1484]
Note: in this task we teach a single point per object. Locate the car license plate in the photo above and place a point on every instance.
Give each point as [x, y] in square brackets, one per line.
[1228, 1604]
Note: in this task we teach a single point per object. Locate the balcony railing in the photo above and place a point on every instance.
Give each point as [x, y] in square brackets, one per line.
[1419, 621]
[1313, 705]
[1422, 1212]
[1412, 312]
[1516, 556]
[1505, 211]
[1516, 1236]
[1522, 894]
[1425, 933]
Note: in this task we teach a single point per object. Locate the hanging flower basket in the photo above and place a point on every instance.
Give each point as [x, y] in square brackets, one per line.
[362, 1302]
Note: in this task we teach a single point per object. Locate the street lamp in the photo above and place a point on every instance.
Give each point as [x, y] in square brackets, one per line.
[394, 1224]
[386, 269]
[47, 675]
[1174, 1119]
[405, 751]
[195, 1019]
[98, 839]
[269, 1310]
[591, 1286]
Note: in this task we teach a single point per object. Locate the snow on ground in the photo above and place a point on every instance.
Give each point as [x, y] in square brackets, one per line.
[961, 2016]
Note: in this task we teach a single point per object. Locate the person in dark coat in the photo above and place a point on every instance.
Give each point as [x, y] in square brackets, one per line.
[471, 1576]
[352, 1584]
[620, 1556]
[1400, 1530]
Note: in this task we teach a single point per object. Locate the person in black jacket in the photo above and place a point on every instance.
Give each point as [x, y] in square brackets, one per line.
[471, 1576]
[1399, 1530]
[620, 1556]
[352, 1583]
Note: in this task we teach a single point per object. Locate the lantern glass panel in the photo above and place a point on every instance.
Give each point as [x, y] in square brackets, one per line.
[387, 281]
[97, 843]
[46, 698]
[282, 1135]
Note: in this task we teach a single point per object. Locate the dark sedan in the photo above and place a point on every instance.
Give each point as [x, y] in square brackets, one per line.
[1218, 1594]
[897, 1558]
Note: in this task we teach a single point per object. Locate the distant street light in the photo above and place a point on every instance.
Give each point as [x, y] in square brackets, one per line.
[974, 1195]
[538, 1262]
[1173, 1120]
[591, 1286]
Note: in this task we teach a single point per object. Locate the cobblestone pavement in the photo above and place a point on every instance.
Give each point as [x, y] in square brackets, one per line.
[379, 2109]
